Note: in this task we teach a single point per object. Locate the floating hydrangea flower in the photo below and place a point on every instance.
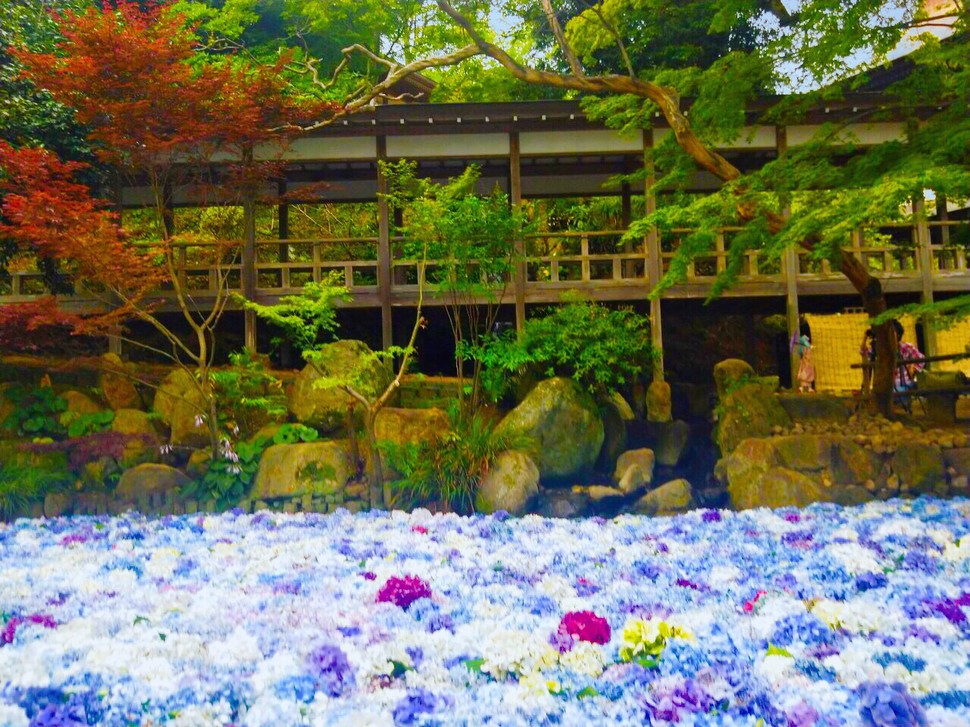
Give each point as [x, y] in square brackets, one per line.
[404, 591]
[889, 705]
[585, 626]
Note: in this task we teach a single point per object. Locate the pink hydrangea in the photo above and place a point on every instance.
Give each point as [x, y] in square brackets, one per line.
[403, 591]
[585, 626]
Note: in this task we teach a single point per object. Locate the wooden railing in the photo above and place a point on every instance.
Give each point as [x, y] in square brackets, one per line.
[554, 260]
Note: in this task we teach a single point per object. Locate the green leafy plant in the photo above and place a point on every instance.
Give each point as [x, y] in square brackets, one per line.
[79, 425]
[248, 396]
[228, 478]
[448, 468]
[603, 349]
[23, 481]
[36, 411]
[294, 433]
[470, 241]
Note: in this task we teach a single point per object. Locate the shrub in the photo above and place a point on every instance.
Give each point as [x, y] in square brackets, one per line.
[36, 413]
[448, 468]
[601, 348]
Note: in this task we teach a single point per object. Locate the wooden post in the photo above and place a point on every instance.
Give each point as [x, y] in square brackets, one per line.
[652, 251]
[383, 248]
[790, 270]
[248, 277]
[515, 197]
[283, 212]
[925, 251]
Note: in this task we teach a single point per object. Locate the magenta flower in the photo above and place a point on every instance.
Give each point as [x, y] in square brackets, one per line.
[403, 591]
[10, 628]
[585, 626]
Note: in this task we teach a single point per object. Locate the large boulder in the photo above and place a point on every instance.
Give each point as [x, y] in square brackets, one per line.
[563, 503]
[806, 452]
[855, 464]
[408, 426]
[311, 468]
[144, 440]
[614, 433]
[919, 466]
[777, 487]
[563, 422]
[117, 385]
[672, 443]
[511, 483]
[634, 470]
[659, 402]
[730, 373]
[326, 408]
[668, 499]
[79, 403]
[749, 410]
[149, 479]
[178, 404]
[744, 468]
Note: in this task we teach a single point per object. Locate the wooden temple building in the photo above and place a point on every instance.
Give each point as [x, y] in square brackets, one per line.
[549, 149]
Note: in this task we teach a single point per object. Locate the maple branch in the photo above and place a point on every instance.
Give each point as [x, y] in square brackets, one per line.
[365, 95]
[666, 99]
[560, 37]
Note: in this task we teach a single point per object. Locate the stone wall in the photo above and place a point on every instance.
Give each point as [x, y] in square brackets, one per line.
[848, 462]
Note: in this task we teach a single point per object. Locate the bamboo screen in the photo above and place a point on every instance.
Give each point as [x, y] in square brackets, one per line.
[836, 340]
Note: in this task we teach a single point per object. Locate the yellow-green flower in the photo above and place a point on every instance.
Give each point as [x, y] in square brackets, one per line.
[649, 638]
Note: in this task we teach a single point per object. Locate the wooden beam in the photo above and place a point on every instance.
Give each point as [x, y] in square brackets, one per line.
[515, 197]
[383, 249]
[652, 252]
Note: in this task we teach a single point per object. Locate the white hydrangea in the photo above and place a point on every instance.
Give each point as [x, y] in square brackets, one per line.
[584, 658]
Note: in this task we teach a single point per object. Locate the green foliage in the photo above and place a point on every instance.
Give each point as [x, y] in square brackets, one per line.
[600, 348]
[24, 481]
[448, 468]
[307, 317]
[37, 411]
[295, 433]
[79, 425]
[248, 396]
[228, 477]
[469, 241]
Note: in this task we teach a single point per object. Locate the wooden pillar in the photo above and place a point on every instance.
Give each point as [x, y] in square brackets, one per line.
[790, 270]
[283, 214]
[652, 251]
[925, 251]
[515, 196]
[383, 248]
[248, 276]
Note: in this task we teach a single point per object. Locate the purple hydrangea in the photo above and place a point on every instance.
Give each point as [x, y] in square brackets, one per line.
[329, 666]
[415, 704]
[889, 705]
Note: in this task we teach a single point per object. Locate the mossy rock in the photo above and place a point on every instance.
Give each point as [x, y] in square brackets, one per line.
[116, 384]
[149, 479]
[178, 403]
[325, 408]
[614, 434]
[563, 422]
[750, 410]
[670, 498]
[854, 464]
[511, 483]
[806, 452]
[309, 468]
[403, 427]
[659, 402]
[801, 407]
[919, 466]
[778, 487]
[143, 445]
[729, 373]
[744, 468]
